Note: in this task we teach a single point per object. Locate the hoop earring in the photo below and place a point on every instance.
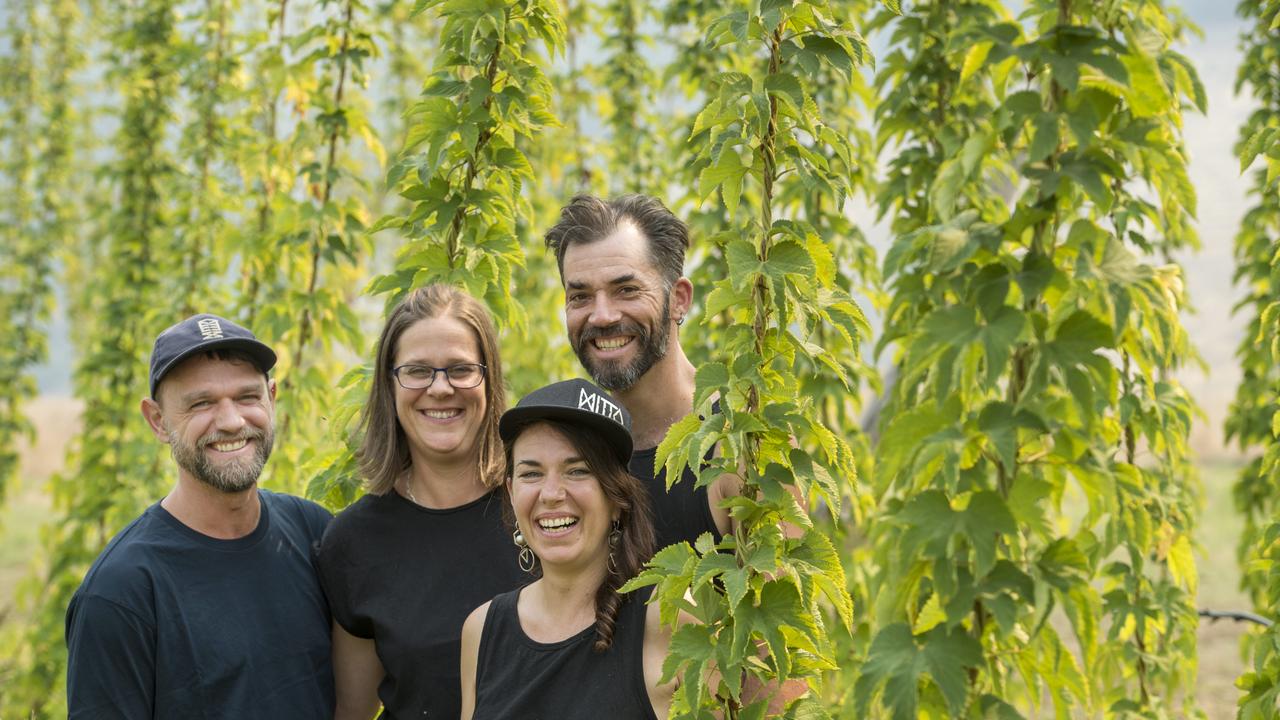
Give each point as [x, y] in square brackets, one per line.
[526, 559]
[615, 537]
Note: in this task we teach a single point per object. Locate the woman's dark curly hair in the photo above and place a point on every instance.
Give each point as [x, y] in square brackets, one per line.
[635, 520]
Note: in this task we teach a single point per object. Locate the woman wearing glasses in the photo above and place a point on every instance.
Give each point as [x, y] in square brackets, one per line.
[405, 564]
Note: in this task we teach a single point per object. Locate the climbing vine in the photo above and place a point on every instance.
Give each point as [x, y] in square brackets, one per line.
[1254, 421]
[754, 137]
[1037, 164]
[114, 470]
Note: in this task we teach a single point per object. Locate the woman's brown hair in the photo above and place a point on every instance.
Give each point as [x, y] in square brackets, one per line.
[384, 448]
[635, 519]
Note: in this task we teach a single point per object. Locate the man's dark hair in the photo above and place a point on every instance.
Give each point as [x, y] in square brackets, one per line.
[587, 219]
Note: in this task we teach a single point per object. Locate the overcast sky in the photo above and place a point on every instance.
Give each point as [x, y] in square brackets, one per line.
[1222, 202]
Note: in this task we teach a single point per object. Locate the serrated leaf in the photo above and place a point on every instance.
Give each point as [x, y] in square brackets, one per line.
[709, 378]
[1182, 564]
[930, 616]
[974, 58]
[744, 264]
[832, 52]
[672, 453]
[724, 297]
[896, 662]
[788, 258]
[1086, 175]
[1077, 338]
[691, 642]
[787, 88]
[1121, 266]
[1045, 138]
[807, 708]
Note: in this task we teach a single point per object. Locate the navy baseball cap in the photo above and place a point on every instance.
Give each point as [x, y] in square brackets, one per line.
[575, 401]
[204, 333]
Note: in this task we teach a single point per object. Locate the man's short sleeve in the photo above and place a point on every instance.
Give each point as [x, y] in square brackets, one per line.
[111, 654]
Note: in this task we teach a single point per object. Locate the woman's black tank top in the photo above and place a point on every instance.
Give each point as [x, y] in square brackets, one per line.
[520, 679]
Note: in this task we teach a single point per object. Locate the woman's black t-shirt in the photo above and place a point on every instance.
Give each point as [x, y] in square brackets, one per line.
[406, 577]
[518, 678]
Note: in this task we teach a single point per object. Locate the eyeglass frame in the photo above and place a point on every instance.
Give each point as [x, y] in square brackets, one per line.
[484, 373]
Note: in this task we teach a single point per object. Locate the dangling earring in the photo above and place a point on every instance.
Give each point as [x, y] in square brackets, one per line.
[679, 321]
[526, 558]
[615, 537]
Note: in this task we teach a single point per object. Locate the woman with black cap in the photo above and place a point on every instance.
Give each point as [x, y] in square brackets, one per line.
[569, 644]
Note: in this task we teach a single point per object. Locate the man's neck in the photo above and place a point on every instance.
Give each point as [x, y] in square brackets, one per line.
[660, 398]
[221, 515]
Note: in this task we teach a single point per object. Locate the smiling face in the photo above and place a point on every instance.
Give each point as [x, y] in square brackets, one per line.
[440, 422]
[617, 308]
[217, 416]
[558, 502]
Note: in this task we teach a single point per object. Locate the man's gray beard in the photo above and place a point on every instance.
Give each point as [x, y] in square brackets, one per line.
[231, 477]
[616, 377]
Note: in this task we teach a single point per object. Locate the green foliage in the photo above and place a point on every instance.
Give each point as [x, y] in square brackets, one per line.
[314, 267]
[629, 85]
[1036, 163]
[116, 459]
[1253, 419]
[462, 171]
[24, 265]
[163, 226]
[1260, 545]
[568, 163]
[1022, 545]
[759, 135]
[461, 166]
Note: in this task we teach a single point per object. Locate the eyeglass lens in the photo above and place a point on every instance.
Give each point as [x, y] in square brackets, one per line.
[461, 376]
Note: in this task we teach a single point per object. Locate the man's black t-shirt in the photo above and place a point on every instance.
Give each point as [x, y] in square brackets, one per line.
[170, 623]
[406, 577]
[679, 515]
[520, 678]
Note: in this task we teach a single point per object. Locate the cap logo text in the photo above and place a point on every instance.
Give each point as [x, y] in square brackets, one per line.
[209, 328]
[599, 405]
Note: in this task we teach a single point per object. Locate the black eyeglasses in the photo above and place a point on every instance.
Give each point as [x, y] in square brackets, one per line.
[459, 377]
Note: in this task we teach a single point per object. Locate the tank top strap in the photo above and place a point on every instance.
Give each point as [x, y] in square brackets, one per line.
[497, 625]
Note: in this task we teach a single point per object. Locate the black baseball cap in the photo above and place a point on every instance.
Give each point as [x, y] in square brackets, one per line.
[576, 401]
[203, 333]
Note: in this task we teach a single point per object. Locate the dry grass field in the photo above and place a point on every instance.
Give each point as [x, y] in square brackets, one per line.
[57, 420]
[28, 507]
[1220, 657]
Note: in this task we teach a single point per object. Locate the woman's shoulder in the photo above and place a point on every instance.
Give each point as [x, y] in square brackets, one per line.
[365, 518]
[474, 624]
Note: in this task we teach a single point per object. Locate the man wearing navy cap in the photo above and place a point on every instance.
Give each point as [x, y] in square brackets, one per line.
[207, 605]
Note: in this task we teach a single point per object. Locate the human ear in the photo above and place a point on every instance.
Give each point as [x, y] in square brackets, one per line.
[681, 298]
[155, 419]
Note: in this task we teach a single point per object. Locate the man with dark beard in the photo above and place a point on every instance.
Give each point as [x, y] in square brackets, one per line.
[207, 605]
[621, 262]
